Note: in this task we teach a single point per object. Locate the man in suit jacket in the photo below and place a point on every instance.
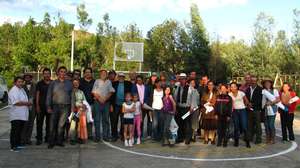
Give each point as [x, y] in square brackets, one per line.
[118, 98]
[254, 95]
[143, 92]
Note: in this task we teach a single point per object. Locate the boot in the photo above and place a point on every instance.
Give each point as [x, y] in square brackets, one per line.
[236, 142]
[248, 144]
[268, 138]
[272, 137]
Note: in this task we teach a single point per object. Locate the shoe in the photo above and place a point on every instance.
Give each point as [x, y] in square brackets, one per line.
[50, 146]
[219, 144]
[248, 144]
[72, 142]
[205, 142]
[21, 147]
[138, 141]
[213, 142]
[90, 138]
[236, 143]
[15, 150]
[130, 143]
[225, 145]
[61, 144]
[29, 143]
[38, 142]
[97, 140]
[126, 143]
[187, 142]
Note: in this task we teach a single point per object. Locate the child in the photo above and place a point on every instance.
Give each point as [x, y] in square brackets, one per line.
[169, 108]
[128, 108]
[223, 111]
[137, 118]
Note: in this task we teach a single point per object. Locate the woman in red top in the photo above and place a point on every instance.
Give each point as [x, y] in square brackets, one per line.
[287, 115]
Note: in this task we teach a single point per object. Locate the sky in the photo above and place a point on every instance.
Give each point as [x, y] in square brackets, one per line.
[222, 18]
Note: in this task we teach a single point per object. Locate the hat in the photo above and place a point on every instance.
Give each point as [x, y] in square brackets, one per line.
[182, 75]
[267, 80]
[154, 74]
[121, 74]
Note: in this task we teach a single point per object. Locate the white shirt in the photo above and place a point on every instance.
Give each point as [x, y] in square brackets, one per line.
[238, 101]
[16, 95]
[128, 107]
[252, 90]
[269, 110]
[138, 108]
[157, 103]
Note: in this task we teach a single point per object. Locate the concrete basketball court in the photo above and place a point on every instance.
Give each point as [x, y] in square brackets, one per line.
[149, 154]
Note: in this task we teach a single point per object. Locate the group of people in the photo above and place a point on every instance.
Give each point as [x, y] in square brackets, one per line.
[75, 108]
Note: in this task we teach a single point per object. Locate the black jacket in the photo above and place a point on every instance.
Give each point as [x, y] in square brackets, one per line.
[223, 106]
[256, 99]
[127, 89]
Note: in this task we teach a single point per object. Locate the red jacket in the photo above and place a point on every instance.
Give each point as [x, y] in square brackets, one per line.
[292, 106]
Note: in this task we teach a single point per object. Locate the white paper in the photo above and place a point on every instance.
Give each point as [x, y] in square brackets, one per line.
[294, 99]
[271, 97]
[186, 115]
[208, 108]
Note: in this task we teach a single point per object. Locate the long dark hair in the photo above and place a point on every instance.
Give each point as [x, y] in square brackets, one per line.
[286, 83]
[214, 88]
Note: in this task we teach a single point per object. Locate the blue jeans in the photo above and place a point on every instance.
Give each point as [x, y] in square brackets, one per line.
[157, 125]
[240, 120]
[101, 115]
[270, 125]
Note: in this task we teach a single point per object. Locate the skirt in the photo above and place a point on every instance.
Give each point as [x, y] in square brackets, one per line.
[209, 124]
[82, 128]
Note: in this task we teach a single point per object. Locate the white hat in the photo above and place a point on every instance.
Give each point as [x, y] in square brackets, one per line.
[121, 74]
[182, 75]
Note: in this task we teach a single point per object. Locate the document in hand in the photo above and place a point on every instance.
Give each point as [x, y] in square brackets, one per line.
[271, 97]
[294, 99]
[208, 108]
[188, 113]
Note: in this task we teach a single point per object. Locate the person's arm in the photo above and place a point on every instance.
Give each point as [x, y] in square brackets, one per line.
[37, 102]
[49, 97]
[173, 103]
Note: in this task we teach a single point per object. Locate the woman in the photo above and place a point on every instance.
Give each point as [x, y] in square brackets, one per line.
[223, 111]
[18, 113]
[239, 115]
[157, 105]
[287, 115]
[195, 101]
[270, 110]
[209, 123]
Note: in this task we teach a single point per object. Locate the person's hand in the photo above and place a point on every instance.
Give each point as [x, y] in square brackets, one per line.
[111, 109]
[216, 117]
[49, 110]
[228, 118]
[29, 104]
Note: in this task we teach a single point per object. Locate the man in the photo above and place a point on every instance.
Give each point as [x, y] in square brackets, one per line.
[132, 76]
[59, 105]
[203, 84]
[254, 95]
[76, 74]
[102, 91]
[193, 76]
[144, 94]
[86, 85]
[183, 106]
[41, 108]
[247, 83]
[121, 88]
[112, 75]
[30, 89]
[18, 113]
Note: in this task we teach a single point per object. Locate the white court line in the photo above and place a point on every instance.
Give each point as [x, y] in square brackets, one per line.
[293, 147]
[4, 108]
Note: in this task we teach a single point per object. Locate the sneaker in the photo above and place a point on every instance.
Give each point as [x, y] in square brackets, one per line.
[130, 143]
[39, 142]
[20, 147]
[126, 143]
[14, 150]
[138, 141]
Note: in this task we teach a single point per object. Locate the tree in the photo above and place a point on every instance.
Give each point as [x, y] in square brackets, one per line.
[83, 17]
[261, 45]
[200, 52]
[167, 46]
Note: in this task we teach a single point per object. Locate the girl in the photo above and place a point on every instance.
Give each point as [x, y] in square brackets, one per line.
[287, 115]
[270, 110]
[157, 105]
[195, 101]
[169, 108]
[128, 108]
[78, 117]
[239, 115]
[223, 111]
[137, 118]
[209, 116]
